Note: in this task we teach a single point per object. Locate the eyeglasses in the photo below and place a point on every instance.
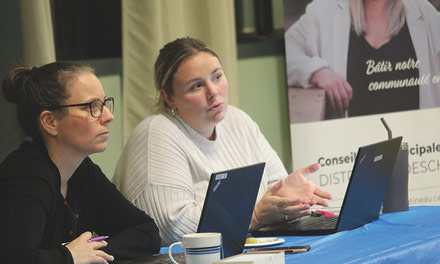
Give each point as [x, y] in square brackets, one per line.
[94, 106]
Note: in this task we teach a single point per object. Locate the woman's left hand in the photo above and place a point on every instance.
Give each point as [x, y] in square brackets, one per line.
[298, 187]
[273, 209]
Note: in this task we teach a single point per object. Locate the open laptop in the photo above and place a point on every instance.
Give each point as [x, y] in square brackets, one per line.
[229, 204]
[363, 198]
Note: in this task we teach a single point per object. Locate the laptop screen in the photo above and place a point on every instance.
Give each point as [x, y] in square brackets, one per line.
[229, 204]
[365, 193]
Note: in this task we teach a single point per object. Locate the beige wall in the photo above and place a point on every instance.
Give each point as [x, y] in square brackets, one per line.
[263, 95]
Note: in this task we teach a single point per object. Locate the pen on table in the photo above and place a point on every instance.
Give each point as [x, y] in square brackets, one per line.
[286, 251]
[295, 250]
[93, 239]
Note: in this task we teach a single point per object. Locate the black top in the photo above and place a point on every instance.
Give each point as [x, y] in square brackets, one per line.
[36, 219]
[385, 86]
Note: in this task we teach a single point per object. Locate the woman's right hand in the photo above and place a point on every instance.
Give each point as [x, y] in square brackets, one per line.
[338, 90]
[85, 252]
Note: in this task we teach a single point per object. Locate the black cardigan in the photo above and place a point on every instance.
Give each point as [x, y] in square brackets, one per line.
[35, 218]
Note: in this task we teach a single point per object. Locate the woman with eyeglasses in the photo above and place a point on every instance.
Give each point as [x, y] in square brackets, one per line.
[53, 198]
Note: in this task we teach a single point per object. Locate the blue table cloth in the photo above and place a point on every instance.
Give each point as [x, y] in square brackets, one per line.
[403, 237]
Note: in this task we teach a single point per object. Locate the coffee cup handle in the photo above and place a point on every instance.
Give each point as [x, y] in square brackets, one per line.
[169, 251]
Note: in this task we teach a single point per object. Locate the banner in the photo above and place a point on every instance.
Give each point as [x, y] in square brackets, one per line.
[341, 83]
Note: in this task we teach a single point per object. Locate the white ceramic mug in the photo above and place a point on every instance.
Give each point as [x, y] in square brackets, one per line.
[200, 248]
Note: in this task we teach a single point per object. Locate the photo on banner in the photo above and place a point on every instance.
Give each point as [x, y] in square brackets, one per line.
[350, 63]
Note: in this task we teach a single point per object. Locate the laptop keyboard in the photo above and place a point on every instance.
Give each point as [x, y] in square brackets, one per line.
[320, 223]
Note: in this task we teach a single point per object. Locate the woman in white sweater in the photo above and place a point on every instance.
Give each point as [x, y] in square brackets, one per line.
[169, 157]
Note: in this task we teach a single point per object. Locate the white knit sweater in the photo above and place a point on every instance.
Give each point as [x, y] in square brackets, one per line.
[166, 165]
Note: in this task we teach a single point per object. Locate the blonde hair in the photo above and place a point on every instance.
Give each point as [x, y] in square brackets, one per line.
[395, 12]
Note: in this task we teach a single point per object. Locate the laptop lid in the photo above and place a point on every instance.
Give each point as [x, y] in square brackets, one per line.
[229, 204]
[363, 198]
[366, 191]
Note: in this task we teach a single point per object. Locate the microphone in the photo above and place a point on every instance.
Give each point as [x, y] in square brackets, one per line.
[396, 198]
[390, 134]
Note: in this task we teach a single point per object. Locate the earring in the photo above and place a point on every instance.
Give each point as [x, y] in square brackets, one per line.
[174, 111]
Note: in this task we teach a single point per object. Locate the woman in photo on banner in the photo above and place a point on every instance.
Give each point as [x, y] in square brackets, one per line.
[370, 56]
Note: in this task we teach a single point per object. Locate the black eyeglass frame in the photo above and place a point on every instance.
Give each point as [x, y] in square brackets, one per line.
[103, 103]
